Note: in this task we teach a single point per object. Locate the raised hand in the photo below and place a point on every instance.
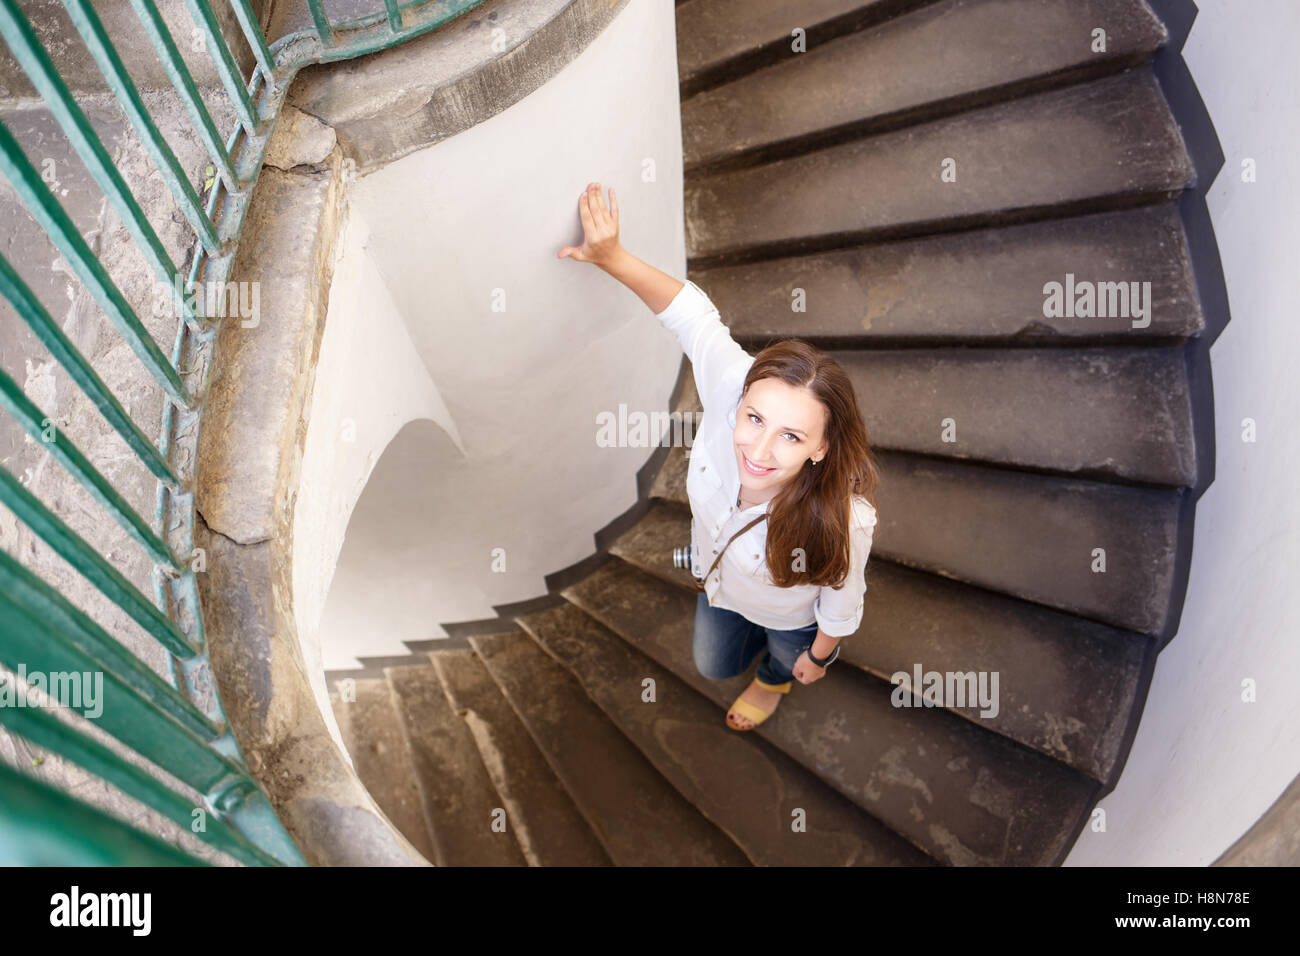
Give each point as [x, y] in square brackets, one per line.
[599, 227]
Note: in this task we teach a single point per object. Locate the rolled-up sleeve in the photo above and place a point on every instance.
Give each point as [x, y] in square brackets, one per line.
[839, 613]
[715, 356]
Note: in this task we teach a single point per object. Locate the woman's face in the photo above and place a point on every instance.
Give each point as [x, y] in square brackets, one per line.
[778, 427]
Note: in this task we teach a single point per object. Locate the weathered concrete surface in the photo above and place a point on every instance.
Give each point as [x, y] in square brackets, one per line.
[1107, 413]
[390, 103]
[749, 788]
[1068, 685]
[550, 829]
[461, 803]
[25, 359]
[1029, 536]
[963, 795]
[716, 38]
[624, 808]
[298, 140]
[670, 482]
[250, 452]
[263, 374]
[64, 44]
[1069, 149]
[294, 16]
[376, 743]
[975, 50]
[1033, 536]
[979, 285]
[1274, 840]
[274, 713]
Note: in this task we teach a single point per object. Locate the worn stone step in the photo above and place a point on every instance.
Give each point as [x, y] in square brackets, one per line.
[1098, 413]
[670, 480]
[1105, 413]
[1026, 535]
[933, 61]
[1069, 686]
[1104, 144]
[1101, 413]
[743, 784]
[460, 801]
[983, 285]
[962, 794]
[1033, 536]
[1029, 536]
[551, 831]
[376, 741]
[648, 544]
[636, 813]
[719, 39]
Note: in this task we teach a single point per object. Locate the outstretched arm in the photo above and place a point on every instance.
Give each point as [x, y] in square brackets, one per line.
[681, 307]
[600, 246]
[657, 289]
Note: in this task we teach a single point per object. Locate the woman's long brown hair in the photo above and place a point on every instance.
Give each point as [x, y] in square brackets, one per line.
[811, 514]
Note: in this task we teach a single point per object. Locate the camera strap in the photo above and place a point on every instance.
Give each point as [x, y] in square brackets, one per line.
[699, 584]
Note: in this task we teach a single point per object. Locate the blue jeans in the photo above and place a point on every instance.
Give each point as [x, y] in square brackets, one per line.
[726, 642]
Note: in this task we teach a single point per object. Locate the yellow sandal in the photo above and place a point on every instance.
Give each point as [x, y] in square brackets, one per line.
[754, 713]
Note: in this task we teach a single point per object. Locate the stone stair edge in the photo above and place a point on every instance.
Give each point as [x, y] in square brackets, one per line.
[535, 623]
[1015, 759]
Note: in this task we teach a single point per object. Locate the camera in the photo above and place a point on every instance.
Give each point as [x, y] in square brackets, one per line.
[682, 560]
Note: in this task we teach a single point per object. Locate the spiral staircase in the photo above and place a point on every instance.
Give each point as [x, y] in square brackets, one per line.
[920, 170]
[899, 182]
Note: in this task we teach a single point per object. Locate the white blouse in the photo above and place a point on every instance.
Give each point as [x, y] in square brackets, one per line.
[741, 582]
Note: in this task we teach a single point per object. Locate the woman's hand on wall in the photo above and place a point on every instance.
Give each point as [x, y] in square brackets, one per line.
[599, 227]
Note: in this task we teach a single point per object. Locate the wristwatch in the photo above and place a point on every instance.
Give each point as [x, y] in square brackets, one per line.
[823, 663]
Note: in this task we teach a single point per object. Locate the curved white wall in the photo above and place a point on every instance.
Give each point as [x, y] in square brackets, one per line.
[1205, 764]
[450, 310]
[370, 383]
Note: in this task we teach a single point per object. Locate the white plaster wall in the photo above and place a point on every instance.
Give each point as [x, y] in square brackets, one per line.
[1205, 765]
[369, 383]
[451, 299]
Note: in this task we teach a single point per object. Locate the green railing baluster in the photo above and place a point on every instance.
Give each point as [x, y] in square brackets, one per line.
[31, 311]
[63, 233]
[394, 15]
[256, 41]
[39, 728]
[92, 566]
[110, 64]
[27, 49]
[181, 725]
[25, 412]
[322, 21]
[155, 27]
[43, 826]
[50, 635]
[416, 18]
[227, 69]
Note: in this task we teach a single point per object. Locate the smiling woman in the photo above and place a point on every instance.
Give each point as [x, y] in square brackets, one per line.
[791, 449]
[781, 467]
[772, 453]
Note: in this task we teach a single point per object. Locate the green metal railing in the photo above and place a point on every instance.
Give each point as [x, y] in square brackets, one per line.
[178, 724]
